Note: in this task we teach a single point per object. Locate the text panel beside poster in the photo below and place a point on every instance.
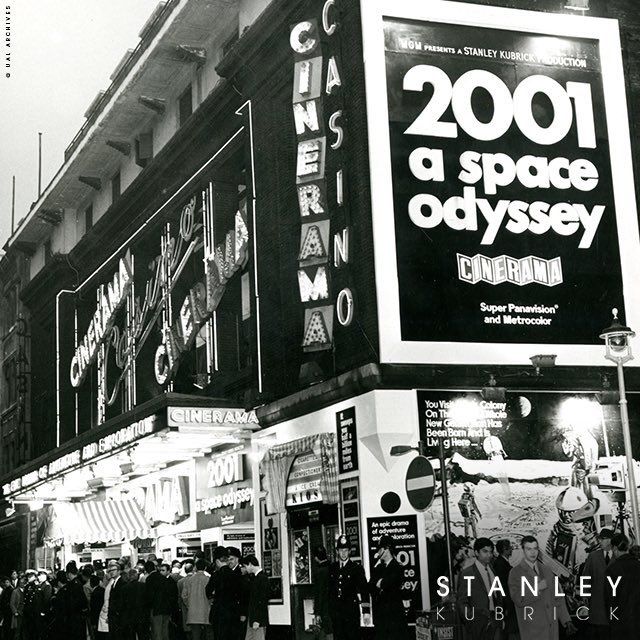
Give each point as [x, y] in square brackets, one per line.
[502, 171]
[404, 532]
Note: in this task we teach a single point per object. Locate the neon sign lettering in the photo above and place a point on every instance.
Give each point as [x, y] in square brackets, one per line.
[108, 304]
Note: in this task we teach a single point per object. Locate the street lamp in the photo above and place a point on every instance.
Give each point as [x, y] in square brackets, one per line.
[618, 350]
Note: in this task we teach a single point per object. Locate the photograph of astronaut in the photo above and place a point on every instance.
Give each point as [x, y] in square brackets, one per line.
[538, 464]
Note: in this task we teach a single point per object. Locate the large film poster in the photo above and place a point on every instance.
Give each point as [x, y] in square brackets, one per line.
[503, 203]
[549, 465]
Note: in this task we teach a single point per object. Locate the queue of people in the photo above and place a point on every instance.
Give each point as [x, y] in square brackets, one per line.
[190, 600]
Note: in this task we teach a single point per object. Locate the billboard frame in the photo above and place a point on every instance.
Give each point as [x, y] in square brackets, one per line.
[603, 30]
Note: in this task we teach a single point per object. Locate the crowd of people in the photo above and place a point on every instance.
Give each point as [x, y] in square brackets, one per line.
[608, 588]
[186, 600]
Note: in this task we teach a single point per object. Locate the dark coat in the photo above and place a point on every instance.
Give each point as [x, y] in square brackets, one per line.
[595, 568]
[389, 617]
[117, 608]
[95, 605]
[223, 589]
[258, 610]
[347, 588]
[45, 593]
[476, 606]
[5, 609]
[502, 569]
[136, 609]
[32, 602]
[161, 594]
[73, 608]
[321, 605]
[627, 598]
[235, 584]
[245, 588]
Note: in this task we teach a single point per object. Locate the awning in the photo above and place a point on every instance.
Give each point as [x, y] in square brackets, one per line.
[108, 521]
[277, 462]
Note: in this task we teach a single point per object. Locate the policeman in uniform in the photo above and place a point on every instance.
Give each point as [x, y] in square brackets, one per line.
[347, 589]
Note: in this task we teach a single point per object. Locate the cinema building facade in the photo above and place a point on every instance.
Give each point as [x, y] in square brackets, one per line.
[292, 236]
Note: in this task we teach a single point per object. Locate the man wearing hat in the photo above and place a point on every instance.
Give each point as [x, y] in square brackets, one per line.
[236, 585]
[347, 589]
[595, 567]
[389, 618]
[74, 605]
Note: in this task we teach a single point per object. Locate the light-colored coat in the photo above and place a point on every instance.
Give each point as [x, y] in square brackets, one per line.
[542, 623]
[195, 598]
[595, 567]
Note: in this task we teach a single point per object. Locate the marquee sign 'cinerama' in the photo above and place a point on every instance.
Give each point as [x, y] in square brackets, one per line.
[502, 189]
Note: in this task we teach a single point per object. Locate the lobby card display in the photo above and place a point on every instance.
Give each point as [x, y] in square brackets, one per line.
[543, 464]
[272, 553]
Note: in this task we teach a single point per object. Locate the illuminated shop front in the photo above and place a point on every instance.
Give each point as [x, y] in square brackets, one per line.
[155, 350]
[313, 472]
[548, 464]
[130, 491]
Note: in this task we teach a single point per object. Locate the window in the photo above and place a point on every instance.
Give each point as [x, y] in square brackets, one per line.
[185, 105]
[88, 218]
[115, 187]
[10, 394]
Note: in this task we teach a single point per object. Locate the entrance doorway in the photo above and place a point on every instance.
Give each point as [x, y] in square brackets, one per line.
[310, 526]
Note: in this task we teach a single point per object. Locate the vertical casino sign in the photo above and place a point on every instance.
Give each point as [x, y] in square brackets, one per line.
[502, 190]
[318, 116]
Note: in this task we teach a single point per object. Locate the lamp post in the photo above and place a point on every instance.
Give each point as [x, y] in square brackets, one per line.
[618, 350]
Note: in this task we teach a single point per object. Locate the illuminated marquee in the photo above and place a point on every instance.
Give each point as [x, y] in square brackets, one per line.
[179, 416]
[100, 325]
[221, 263]
[315, 146]
[123, 436]
[111, 442]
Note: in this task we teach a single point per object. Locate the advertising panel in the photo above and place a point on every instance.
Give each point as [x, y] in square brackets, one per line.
[347, 440]
[404, 531]
[502, 212]
[548, 465]
[224, 491]
[272, 553]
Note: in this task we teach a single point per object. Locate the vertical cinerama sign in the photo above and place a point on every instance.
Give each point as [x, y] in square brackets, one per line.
[502, 183]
